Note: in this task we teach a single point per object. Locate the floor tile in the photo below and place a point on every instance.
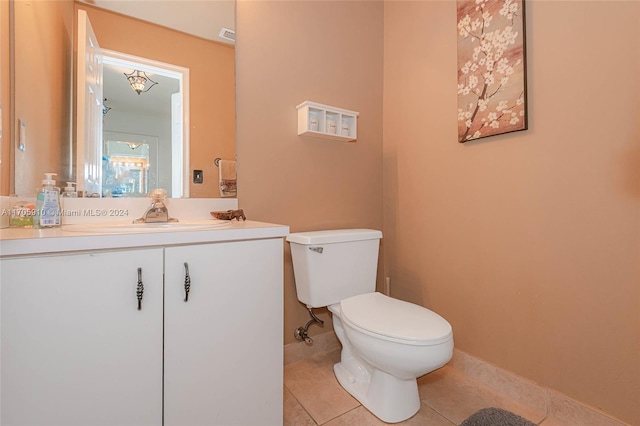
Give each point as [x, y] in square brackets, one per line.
[359, 416]
[555, 422]
[294, 414]
[427, 416]
[362, 417]
[563, 410]
[313, 396]
[312, 382]
[455, 397]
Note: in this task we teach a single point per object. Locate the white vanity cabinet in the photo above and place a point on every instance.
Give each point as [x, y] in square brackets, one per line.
[75, 348]
[223, 345]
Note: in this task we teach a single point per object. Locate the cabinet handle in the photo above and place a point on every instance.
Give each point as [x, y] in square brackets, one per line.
[140, 289]
[187, 282]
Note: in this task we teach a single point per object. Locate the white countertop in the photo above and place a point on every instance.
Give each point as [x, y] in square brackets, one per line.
[24, 242]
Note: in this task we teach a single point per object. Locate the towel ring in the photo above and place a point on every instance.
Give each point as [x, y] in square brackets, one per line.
[217, 162]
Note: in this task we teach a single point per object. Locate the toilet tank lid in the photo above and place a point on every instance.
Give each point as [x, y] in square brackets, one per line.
[334, 236]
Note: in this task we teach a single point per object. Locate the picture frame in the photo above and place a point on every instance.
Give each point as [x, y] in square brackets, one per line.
[492, 83]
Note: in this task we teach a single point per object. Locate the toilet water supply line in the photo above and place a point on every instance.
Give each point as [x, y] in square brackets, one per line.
[301, 333]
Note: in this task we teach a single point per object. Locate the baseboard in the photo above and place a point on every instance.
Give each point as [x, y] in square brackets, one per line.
[557, 406]
[324, 342]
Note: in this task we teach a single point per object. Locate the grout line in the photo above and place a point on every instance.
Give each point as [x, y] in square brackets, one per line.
[342, 414]
[547, 404]
[438, 413]
[300, 404]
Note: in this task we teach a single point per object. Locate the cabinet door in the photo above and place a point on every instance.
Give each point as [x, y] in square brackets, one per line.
[223, 346]
[75, 348]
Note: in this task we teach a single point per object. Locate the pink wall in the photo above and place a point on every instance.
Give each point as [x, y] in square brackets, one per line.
[528, 243]
[327, 52]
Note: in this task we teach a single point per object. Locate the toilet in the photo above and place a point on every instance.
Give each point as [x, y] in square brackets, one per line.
[386, 343]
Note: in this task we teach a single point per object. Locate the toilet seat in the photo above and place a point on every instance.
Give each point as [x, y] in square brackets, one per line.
[394, 320]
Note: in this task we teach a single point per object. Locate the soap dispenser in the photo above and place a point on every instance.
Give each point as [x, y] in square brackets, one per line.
[47, 214]
[70, 191]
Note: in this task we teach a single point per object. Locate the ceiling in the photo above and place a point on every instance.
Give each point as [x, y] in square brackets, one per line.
[202, 18]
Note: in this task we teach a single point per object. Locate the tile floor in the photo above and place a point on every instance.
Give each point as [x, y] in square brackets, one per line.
[312, 396]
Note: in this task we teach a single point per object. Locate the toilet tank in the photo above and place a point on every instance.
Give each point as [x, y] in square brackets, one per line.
[332, 265]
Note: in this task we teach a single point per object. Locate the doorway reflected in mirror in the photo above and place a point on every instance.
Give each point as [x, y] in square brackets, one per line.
[155, 116]
[129, 165]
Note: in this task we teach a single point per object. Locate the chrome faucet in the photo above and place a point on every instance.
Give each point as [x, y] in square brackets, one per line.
[157, 212]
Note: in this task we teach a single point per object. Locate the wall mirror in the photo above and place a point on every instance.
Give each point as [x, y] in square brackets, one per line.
[193, 35]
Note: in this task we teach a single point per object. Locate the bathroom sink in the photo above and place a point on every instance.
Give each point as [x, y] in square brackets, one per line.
[183, 225]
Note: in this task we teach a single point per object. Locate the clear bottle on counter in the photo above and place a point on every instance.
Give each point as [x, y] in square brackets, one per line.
[47, 213]
[70, 191]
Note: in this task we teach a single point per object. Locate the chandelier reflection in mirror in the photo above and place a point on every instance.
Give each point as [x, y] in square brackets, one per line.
[138, 80]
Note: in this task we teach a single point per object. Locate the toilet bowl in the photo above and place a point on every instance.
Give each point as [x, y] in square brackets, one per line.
[386, 343]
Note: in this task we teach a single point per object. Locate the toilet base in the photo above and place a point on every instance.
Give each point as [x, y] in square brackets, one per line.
[390, 399]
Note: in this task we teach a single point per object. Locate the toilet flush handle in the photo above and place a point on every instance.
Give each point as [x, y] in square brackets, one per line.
[316, 249]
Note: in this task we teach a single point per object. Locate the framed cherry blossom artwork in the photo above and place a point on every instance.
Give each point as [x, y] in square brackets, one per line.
[492, 83]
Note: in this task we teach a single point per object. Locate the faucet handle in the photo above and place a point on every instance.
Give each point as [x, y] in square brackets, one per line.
[158, 194]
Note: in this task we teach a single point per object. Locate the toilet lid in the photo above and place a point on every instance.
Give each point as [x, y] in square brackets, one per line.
[375, 313]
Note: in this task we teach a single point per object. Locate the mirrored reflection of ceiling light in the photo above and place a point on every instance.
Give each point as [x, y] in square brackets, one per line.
[132, 145]
[138, 80]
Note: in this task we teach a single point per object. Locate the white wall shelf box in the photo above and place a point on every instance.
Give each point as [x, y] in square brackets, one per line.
[327, 122]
